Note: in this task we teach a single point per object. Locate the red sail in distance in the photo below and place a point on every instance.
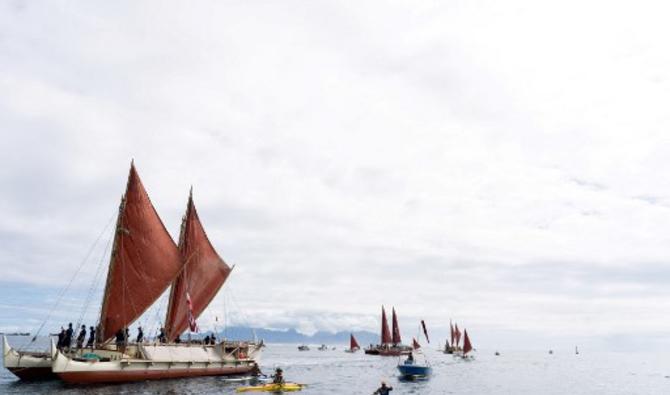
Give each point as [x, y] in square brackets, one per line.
[396, 329]
[415, 344]
[453, 334]
[203, 275]
[457, 335]
[353, 344]
[386, 334]
[467, 347]
[425, 330]
[144, 261]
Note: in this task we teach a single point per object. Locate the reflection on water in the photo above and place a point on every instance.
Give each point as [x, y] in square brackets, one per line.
[337, 372]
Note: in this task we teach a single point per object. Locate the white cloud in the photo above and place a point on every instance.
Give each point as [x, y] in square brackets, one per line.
[439, 157]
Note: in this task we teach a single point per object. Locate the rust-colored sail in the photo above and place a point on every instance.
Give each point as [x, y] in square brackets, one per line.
[353, 344]
[396, 329]
[467, 347]
[415, 344]
[203, 275]
[144, 261]
[457, 335]
[386, 334]
[453, 334]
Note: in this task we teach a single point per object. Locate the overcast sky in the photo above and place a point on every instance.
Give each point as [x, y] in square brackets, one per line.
[504, 164]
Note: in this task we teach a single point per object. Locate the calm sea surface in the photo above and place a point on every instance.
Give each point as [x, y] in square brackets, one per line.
[337, 372]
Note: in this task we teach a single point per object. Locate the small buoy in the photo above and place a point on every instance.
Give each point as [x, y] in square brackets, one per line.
[497, 353]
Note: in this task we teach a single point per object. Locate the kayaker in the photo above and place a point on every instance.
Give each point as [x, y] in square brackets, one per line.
[278, 377]
[383, 390]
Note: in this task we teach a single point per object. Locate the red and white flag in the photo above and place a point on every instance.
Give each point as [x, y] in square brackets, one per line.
[191, 319]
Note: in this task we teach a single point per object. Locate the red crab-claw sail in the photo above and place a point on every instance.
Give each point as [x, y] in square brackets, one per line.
[467, 347]
[425, 330]
[203, 275]
[144, 261]
[353, 344]
[415, 344]
[386, 334]
[396, 329]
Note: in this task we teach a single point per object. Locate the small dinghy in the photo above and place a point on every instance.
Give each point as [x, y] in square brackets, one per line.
[410, 368]
[304, 347]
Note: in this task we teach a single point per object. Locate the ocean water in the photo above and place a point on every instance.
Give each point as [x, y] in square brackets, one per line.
[514, 372]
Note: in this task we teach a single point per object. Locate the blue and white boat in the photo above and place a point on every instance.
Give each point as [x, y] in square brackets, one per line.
[409, 368]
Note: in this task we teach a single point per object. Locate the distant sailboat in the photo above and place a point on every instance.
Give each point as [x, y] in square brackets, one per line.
[415, 344]
[391, 345]
[467, 346]
[353, 344]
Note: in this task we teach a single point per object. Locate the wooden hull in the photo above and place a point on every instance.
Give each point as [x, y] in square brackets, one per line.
[156, 362]
[147, 373]
[33, 374]
[394, 352]
[27, 365]
[389, 351]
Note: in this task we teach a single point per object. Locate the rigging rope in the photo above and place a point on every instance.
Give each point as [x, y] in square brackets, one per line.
[67, 287]
[95, 283]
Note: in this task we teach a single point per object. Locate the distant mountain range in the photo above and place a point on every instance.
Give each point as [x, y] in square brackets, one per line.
[293, 336]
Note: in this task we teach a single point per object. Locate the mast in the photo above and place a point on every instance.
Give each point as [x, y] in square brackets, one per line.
[396, 329]
[386, 334]
[105, 297]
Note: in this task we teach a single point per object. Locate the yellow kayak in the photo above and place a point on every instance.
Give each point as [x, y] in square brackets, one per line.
[286, 387]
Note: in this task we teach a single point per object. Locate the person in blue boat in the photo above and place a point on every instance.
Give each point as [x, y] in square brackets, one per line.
[410, 359]
[383, 390]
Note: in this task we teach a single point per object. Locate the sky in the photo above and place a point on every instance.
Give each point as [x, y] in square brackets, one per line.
[500, 164]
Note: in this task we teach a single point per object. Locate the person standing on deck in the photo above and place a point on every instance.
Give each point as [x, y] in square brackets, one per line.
[161, 336]
[140, 335]
[61, 338]
[67, 341]
[81, 337]
[91, 338]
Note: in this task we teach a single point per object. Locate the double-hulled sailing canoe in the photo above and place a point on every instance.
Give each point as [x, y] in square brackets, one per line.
[144, 262]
